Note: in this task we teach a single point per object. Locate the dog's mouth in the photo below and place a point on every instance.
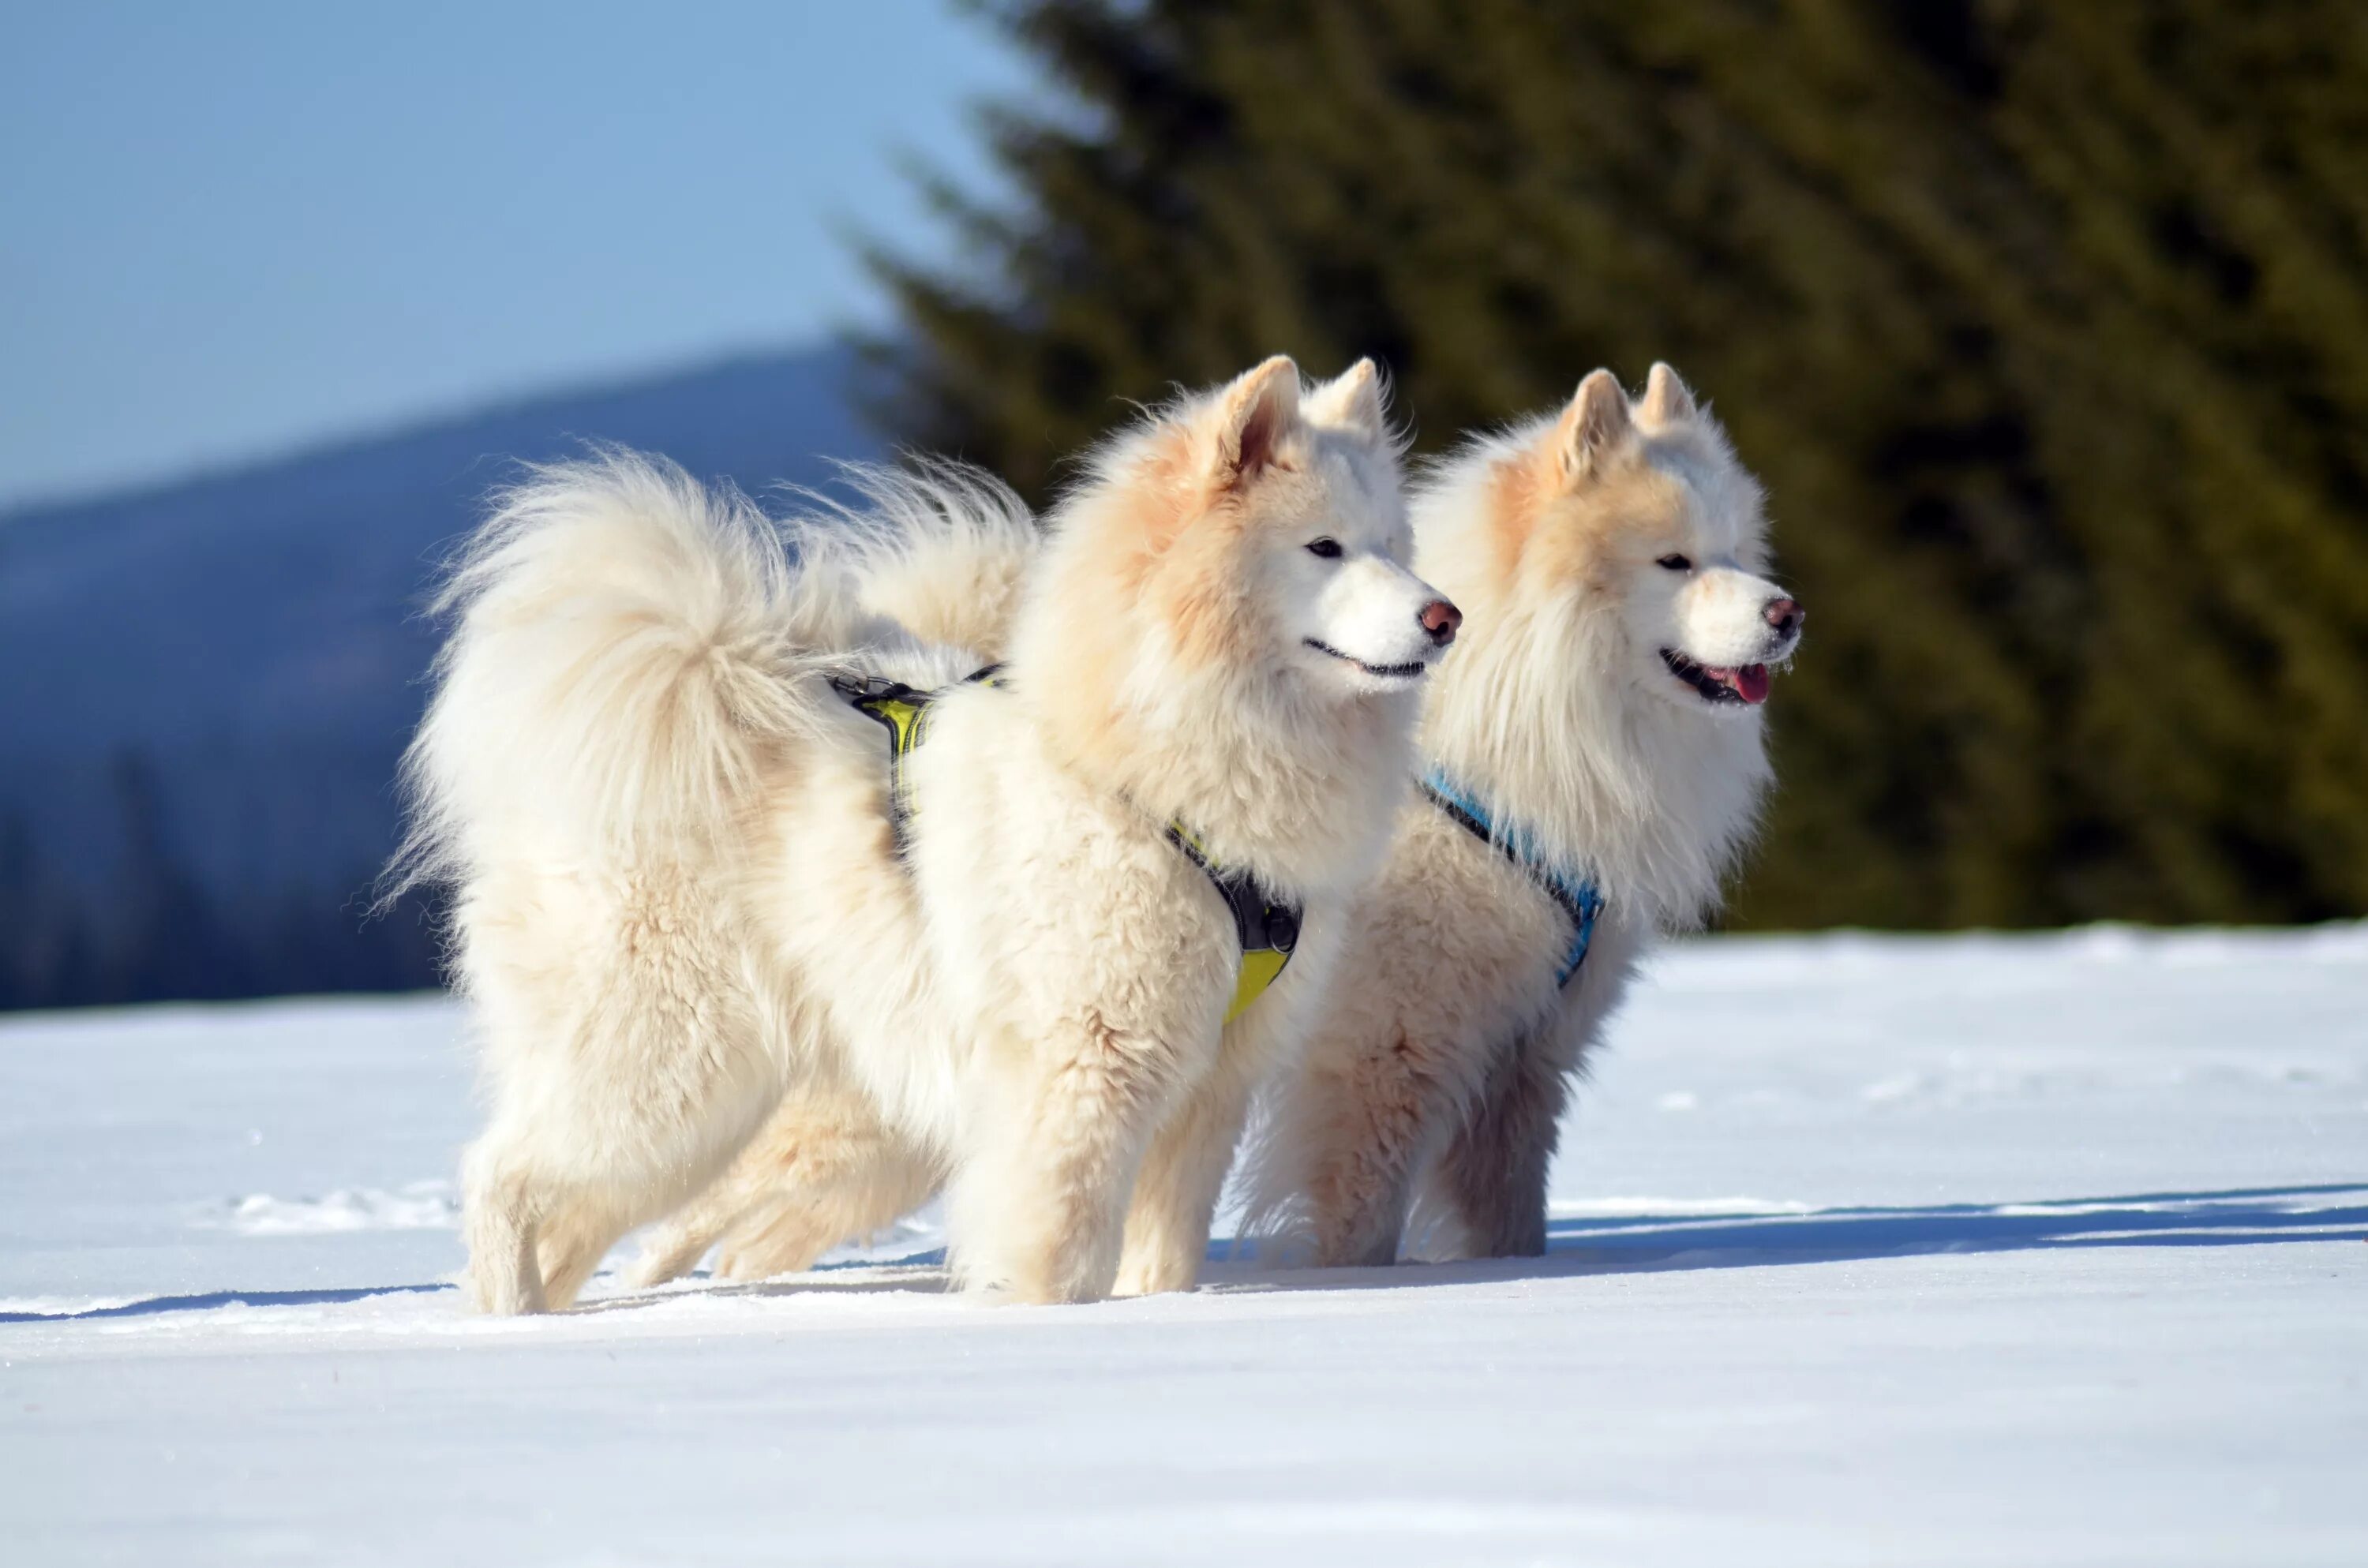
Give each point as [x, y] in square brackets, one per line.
[1378, 672]
[1744, 684]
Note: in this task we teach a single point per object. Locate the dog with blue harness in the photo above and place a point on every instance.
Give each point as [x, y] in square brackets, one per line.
[1594, 762]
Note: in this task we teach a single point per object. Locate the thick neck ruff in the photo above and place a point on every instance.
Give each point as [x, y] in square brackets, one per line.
[1577, 894]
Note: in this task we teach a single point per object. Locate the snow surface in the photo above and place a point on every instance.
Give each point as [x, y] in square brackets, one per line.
[1972, 1250]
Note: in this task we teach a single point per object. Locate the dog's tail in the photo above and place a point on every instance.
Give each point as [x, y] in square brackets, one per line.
[628, 647]
[938, 548]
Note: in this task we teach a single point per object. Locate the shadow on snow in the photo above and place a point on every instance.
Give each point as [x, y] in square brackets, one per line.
[207, 1301]
[1582, 1245]
[1628, 1244]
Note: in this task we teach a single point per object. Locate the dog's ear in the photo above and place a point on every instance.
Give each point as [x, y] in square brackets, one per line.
[1254, 412]
[1668, 400]
[1592, 427]
[1354, 402]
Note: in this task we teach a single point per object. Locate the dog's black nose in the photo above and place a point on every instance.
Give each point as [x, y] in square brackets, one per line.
[1784, 614]
[1440, 618]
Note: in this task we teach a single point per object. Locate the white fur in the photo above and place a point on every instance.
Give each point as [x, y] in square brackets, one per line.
[1369, 610]
[1718, 616]
[935, 551]
[677, 891]
[1434, 1081]
[817, 1173]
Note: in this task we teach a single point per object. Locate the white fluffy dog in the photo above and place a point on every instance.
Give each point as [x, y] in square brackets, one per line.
[1595, 764]
[685, 879]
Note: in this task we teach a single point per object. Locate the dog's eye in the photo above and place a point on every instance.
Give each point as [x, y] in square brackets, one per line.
[1327, 549]
[1675, 563]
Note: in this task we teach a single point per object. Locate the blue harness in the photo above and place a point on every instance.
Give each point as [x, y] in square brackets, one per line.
[1577, 896]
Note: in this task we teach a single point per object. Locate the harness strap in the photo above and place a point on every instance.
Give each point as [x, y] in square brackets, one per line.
[1577, 897]
[1267, 929]
[904, 712]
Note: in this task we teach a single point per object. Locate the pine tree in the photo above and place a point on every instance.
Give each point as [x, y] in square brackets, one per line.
[2047, 324]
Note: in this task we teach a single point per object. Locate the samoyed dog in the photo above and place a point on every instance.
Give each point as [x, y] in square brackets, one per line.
[1593, 765]
[828, 1165]
[673, 770]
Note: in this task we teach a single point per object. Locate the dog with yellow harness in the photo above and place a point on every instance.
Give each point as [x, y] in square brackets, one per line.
[722, 821]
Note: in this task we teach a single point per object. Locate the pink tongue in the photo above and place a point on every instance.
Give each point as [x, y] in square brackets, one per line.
[1751, 683]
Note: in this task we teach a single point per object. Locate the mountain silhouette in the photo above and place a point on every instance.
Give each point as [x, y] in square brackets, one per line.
[209, 681]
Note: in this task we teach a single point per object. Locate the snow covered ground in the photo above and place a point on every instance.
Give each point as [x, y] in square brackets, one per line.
[1979, 1250]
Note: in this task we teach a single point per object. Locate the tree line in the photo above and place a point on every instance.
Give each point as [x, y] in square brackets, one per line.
[2046, 325]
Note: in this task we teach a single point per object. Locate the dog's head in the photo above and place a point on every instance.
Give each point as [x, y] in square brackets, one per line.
[1259, 529]
[1294, 541]
[1636, 523]
[1224, 626]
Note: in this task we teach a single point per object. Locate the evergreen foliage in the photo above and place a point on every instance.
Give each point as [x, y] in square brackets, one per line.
[2047, 324]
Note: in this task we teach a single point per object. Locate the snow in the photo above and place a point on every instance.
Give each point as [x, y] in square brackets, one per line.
[2003, 1250]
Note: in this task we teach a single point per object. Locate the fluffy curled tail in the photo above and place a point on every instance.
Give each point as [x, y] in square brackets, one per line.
[937, 548]
[626, 645]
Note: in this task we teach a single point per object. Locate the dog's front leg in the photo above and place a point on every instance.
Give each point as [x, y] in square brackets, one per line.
[1489, 1179]
[1176, 1193]
[1492, 1175]
[1052, 1136]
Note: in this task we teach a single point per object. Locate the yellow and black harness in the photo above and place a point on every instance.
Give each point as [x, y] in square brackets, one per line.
[1267, 929]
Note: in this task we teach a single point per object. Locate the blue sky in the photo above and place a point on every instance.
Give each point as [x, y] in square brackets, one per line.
[231, 229]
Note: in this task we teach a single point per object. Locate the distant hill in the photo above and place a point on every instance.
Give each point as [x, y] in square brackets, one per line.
[208, 683]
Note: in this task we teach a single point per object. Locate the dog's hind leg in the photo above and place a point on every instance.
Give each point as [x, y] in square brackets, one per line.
[787, 1233]
[500, 1216]
[825, 1168]
[675, 1248]
[576, 1234]
[618, 1090]
[535, 1237]
[538, 1229]
[765, 1168]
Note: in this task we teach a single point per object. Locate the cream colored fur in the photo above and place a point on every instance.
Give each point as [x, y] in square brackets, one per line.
[1432, 1085]
[677, 893]
[938, 550]
[817, 1175]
